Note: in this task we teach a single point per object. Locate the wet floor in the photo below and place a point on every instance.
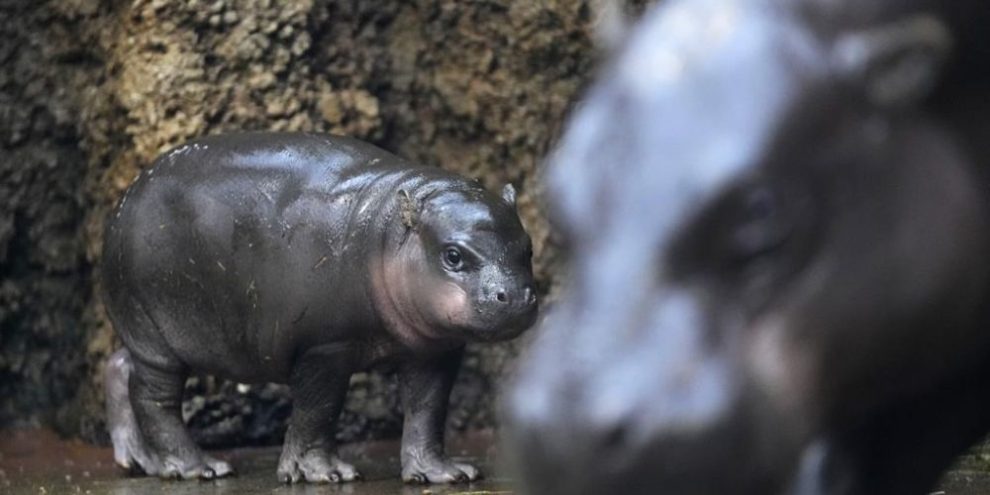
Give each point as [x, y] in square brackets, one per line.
[37, 462]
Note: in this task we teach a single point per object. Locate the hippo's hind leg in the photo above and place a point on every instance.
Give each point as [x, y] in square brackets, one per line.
[129, 449]
[144, 383]
[156, 399]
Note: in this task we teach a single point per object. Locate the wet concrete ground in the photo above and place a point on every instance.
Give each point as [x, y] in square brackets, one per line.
[38, 462]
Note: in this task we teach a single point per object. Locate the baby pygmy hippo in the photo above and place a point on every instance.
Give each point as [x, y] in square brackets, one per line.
[300, 259]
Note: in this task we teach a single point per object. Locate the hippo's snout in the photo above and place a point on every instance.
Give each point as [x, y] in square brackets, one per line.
[520, 306]
[522, 297]
[598, 416]
[637, 436]
[517, 301]
[512, 308]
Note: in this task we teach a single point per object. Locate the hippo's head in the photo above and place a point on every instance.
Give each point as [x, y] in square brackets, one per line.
[463, 270]
[772, 247]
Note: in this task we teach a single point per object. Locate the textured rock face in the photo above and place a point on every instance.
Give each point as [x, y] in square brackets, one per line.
[45, 283]
[93, 90]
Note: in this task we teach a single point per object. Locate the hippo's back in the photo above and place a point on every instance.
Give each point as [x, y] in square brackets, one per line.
[320, 156]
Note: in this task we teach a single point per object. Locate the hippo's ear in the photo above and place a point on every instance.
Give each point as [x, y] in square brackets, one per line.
[408, 209]
[509, 195]
[895, 64]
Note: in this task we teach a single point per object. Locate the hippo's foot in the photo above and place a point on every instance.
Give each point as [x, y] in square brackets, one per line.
[437, 469]
[131, 451]
[131, 454]
[204, 467]
[314, 466]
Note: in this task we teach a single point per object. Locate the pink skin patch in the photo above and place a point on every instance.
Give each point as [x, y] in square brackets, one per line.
[782, 368]
[450, 302]
[414, 305]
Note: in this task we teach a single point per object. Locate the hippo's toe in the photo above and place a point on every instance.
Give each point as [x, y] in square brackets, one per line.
[438, 470]
[203, 468]
[315, 466]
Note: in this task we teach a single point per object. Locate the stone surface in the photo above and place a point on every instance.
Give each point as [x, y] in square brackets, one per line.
[45, 281]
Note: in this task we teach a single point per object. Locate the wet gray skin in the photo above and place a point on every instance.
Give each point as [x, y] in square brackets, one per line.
[300, 259]
[777, 224]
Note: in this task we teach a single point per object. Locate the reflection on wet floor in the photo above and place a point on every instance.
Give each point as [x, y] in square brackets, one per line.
[38, 462]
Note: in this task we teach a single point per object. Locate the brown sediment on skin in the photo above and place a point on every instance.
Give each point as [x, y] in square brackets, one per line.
[323, 259]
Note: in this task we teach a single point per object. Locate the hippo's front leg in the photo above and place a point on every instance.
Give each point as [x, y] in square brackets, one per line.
[425, 389]
[319, 384]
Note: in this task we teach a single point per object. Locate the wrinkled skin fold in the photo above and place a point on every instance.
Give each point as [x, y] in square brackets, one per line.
[777, 225]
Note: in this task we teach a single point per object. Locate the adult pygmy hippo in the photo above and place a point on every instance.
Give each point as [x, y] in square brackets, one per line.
[301, 258]
[779, 225]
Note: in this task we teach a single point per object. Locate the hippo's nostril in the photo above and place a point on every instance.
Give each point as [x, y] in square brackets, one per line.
[501, 296]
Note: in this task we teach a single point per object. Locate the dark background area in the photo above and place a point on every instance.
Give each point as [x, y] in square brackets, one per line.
[92, 90]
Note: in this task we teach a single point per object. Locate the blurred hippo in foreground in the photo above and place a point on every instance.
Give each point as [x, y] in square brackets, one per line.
[300, 259]
[777, 219]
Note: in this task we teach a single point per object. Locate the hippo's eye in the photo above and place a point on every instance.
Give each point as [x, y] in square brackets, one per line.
[452, 258]
[759, 229]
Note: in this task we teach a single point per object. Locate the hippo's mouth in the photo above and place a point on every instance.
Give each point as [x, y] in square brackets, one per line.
[500, 331]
